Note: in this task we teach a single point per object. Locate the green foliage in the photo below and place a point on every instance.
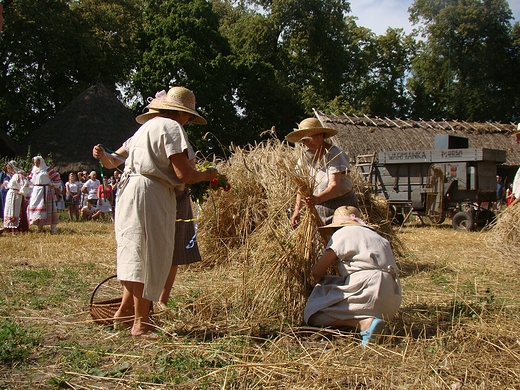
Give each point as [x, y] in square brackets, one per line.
[464, 69]
[16, 342]
[51, 50]
[79, 358]
[259, 63]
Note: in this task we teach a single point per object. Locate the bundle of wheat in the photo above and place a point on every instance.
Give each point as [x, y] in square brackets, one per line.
[249, 227]
[506, 232]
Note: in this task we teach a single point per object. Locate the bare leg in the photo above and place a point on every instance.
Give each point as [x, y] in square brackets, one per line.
[142, 325]
[165, 295]
[126, 310]
[70, 212]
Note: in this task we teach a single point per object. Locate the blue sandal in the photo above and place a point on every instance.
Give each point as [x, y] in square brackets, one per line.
[376, 328]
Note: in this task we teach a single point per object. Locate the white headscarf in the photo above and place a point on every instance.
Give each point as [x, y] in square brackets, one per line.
[15, 167]
[42, 167]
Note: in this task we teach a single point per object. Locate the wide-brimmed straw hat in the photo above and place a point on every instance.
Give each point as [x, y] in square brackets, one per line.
[309, 127]
[343, 216]
[177, 99]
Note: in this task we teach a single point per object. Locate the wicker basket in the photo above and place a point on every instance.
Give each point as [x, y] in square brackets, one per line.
[103, 311]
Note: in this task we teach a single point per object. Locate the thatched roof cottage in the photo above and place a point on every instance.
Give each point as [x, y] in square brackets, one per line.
[95, 116]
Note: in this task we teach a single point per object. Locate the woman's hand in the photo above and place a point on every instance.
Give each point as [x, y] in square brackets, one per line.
[311, 201]
[98, 151]
[320, 268]
[295, 219]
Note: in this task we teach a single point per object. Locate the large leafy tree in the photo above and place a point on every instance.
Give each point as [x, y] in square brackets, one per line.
[302, 55]
[182, 45]
[313, 47]
[262, 94]
[51, 50]
[382, 91]
[467, 65]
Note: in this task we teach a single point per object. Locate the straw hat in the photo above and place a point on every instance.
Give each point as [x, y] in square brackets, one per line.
[309, 127]
[177, 99]
[343, 216]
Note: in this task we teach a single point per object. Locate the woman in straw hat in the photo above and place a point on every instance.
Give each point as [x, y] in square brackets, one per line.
[367, 290]
[156, 164]
[329, 168]
[15, 215]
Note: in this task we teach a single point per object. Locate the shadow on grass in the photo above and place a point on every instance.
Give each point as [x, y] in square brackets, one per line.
[407, 269]
[418, 321]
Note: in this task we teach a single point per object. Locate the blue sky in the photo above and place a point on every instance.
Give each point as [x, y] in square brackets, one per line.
[377, 15]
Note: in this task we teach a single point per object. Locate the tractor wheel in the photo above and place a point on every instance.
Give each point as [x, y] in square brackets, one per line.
[462, 221]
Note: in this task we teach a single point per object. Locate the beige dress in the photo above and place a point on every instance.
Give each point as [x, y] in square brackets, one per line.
[368, 285]
[146, 205]
[334, 161]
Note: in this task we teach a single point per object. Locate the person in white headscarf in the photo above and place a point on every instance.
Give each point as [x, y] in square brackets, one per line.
[367, 291]
[15, 211]
[42, 205]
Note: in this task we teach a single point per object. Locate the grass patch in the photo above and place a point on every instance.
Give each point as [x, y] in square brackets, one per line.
[236, 318]
[16, 342]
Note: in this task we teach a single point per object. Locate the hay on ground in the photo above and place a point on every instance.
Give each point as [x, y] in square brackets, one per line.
[506, 232]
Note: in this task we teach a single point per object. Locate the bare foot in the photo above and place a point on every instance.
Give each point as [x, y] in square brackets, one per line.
[123, 320]
[162, 306]
[147, 335]
[144, 331]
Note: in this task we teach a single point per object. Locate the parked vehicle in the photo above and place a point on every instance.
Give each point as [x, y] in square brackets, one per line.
[447, 182]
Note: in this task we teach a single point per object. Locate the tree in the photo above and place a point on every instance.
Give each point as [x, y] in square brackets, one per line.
[466, 67]
[182, 45]
[262, 94]
[383, 90]
[52, 50]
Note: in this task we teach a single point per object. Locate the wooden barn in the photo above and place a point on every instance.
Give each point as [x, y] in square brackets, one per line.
[362, 135]
[95, 116]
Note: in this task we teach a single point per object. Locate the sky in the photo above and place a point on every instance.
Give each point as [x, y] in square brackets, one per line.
[378, 15]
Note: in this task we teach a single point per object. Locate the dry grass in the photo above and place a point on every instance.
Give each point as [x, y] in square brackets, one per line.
[236, 318]
[506, 233]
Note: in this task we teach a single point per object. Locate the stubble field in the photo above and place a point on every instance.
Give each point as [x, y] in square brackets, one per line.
[458, 326]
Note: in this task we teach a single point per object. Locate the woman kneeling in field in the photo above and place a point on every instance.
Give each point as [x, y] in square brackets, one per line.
[367, 290]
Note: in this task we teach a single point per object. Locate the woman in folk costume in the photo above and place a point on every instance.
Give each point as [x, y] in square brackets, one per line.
[156, 165]
[42, 205]
[15, 212]
[367, 291]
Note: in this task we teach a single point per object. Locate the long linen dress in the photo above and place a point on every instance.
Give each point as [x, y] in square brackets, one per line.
[146, 205]
[368, 285]
[15, 217]
[42, 204]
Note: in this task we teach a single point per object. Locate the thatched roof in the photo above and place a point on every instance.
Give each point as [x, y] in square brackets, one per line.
[8, 146]
[95, 116]
[364, 135]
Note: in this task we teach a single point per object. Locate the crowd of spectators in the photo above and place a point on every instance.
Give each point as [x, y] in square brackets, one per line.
[83, 196]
